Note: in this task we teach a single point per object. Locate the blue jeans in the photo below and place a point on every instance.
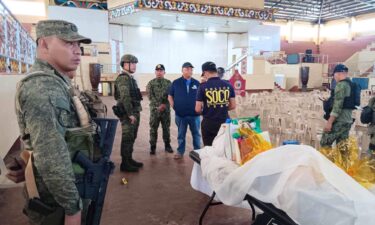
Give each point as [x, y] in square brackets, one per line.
[194, 125]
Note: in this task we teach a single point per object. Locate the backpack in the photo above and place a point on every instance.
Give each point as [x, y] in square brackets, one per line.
[367, 115]
[94, 104]
[355, 96]
[350, 102]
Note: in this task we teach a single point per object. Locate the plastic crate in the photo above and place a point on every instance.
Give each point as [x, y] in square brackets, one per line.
[291, 142]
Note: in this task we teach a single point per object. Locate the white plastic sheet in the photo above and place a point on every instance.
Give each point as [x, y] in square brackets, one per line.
[295, 178]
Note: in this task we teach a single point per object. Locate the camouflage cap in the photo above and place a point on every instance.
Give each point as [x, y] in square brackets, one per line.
[62, 29]
[128, 58]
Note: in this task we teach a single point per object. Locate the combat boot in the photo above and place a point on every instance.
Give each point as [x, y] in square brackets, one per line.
[168, 148]
[152, 149]
[135, 163]
[127, 167]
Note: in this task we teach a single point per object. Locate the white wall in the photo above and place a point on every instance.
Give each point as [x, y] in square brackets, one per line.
[9, 127]
[235, 44]
[91, 23]
[115, 32]
[171, 47]
[264, 38]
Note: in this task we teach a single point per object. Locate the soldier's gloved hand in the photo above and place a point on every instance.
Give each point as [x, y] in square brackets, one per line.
[16, 170]
[132, 119]
[162, 108]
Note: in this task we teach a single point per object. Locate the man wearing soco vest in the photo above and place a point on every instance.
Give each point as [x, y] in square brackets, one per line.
[46, 114]
[214, 99]
[128, 97]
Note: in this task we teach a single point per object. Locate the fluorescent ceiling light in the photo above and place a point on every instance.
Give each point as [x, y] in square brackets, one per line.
[26, 8]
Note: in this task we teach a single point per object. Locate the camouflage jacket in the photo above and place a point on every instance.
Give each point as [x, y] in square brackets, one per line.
[157, 91]
[44, 111]
[126, 92]
[371, 127]
[342, 90]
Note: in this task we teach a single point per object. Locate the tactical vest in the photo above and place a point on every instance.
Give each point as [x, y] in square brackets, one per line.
[350, 102]
[77, 139]
[93, 104]
[135, 93]
[85, 145]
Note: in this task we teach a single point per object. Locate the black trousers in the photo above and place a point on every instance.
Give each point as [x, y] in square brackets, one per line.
[210, 128]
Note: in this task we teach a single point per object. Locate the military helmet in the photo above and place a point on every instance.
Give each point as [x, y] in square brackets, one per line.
[128, 58]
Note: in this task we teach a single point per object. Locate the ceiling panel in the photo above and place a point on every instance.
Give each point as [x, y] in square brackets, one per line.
[312, 10]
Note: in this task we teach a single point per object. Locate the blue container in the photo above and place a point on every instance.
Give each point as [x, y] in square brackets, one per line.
[361, 81]
[290, 142]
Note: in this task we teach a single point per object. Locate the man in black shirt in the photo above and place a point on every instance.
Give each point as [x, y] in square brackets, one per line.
[214, 99]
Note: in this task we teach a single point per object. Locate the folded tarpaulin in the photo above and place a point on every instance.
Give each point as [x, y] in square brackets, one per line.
[294, 178]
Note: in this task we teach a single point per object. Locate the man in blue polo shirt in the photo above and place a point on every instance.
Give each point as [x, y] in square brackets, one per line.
[214, 99]
[182, 95]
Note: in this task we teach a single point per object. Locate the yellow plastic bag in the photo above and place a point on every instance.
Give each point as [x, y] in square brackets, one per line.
[251, 144]
[345, 155]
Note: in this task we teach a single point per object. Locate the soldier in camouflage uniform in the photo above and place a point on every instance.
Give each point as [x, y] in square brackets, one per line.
[340, 121]
[371, 130]
[127, 93]
[160, 112]
[45, 112]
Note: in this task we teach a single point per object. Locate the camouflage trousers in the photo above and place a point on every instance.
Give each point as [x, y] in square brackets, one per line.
[155, 119]
[339, 132]
[129, 134]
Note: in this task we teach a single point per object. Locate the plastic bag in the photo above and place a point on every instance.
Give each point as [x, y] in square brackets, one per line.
[345, 156]
[251, 144]
[254, 122]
